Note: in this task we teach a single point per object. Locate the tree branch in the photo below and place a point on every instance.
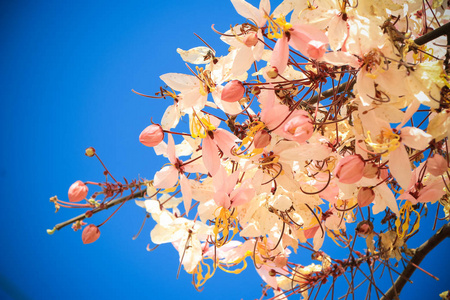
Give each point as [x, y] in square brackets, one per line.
[138, 194]
[421, 252]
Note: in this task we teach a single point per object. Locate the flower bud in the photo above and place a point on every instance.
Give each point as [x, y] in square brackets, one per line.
[90, 234]
[299, 128]
[370, 171]
[262, 139]
[256, 90]
[316, 49]
[280, 261]
[233, 91]
[366, 195]
[78, 191]
[152, 135]
[437, 165]
[272, 72]
[350, 169]
[90, 151]
[364, 227]
[251, 39]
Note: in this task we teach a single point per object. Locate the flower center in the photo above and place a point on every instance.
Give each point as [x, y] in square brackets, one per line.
[208, 84]
[276, 27]
[384, 143]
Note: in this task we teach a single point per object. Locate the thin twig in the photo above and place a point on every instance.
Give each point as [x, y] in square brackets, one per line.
[421, 252]
[137, 194]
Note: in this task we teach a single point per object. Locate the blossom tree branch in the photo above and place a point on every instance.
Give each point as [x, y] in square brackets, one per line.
[420, 253]
[134, 195]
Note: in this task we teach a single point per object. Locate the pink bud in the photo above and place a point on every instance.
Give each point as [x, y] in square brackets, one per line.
[437, 165]
[152, 135]
[299, 128]
[365, 196]
[280, 261]
[364, 227]
[90, 234]
[78, 191]
[350, 169]
[233, 91]
[251, 39]
[316, 49]
[262, 139]
[370, 171]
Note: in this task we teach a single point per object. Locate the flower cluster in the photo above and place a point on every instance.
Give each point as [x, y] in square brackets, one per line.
[276, 161]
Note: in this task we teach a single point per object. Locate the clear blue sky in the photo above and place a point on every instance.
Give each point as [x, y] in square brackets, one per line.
[68, 68]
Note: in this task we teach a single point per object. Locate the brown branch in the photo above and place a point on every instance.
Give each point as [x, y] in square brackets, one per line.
[107, 205]
[420, 253]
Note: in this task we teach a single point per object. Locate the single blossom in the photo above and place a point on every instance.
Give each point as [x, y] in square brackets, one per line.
[168, 176]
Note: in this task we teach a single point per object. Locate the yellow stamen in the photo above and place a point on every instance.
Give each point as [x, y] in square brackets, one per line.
[224, 267]
[276, 28]
[402, 222]
[222, 226]
[419, 56]
[198, 278]
[200, 125]
[208, 85]
[385, 142]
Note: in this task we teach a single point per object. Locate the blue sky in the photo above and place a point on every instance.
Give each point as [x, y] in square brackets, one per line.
[67, 73]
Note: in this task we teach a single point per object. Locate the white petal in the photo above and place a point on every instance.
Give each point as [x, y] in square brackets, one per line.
[195, 55]
[415, 138]
[180, 82]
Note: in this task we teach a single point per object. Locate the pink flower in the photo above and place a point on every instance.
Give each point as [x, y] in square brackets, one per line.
[430, 190]
[222, 139]
[168, 176]
[299, 128]
[307, 39]
[90, 234]
[78, 191]
[350, 169]
[226, 194]
[152, 135]
[437, 165]
[233, 91]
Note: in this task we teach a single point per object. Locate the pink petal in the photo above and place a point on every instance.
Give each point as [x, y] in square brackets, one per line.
[241, 196]
[210, 156]
[225, 140]
[400, 167]
[166, 178]
[280, 54]
[222, 199]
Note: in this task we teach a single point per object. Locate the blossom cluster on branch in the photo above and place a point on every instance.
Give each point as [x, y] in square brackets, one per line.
[322, 113]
